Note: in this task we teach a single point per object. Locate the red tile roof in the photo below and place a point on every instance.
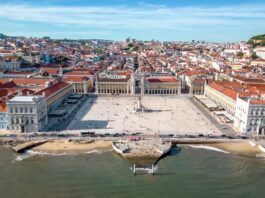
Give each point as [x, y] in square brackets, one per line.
[10, 95]
[113, 80]
[8, 84]
[28, 81]
[78, 72]
[14, 91]
[3, 106]
[162, 80]
[75, 78]
[52, 71]
[231, 89]
[49, 91]
[257, 102]
[226, 91]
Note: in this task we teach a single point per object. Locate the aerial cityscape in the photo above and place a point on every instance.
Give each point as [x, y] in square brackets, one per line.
[128, 112]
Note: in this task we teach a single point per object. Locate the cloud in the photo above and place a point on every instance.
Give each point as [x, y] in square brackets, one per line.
[140, 19]
[146, 16]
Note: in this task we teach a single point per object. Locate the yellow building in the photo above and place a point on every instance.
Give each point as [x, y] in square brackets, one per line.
[113, 86]
[81, 85]
[221, 95]
[55, 94]
[162, 85]
[196, 86]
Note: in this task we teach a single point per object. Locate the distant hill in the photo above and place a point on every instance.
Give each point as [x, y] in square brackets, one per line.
[259, 37]
[258, 40]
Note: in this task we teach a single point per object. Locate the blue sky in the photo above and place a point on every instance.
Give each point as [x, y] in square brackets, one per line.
[210, 20]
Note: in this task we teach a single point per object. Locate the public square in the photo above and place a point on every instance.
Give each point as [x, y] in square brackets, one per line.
[165, 115]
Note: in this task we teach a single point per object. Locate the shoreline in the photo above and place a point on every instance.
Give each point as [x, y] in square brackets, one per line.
[247, 148]
[58, 147]
[72, 147]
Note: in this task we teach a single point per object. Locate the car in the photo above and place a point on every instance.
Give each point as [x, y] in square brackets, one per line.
[242, 137]
[200, 135]
[62, 135]
[86, 134]
[213, 136]
[11, 135]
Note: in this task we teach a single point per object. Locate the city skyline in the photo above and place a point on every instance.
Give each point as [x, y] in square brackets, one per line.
[143, 20]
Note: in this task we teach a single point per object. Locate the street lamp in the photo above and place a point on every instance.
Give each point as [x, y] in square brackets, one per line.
[177, 126]
[123, 124]
[108, 115]
[158, 124]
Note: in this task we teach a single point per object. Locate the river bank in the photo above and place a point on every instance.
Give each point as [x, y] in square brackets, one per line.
[72, 147]
[246, 148]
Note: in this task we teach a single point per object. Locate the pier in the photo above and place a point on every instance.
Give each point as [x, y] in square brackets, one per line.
[139, 150]
[28, 145]
[144, 170]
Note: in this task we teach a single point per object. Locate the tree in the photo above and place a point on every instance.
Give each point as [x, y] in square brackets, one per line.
[240, 54]
[254, 56]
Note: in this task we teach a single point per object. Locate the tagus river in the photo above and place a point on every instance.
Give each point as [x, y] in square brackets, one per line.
[189, 173]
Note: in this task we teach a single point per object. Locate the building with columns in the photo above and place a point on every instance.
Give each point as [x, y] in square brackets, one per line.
[197, 86]
[138, 84]
[168, 85]
[81, 85]
[117, 82]
[222, 94]
[113, 86]
[82, 80]
[27, 114]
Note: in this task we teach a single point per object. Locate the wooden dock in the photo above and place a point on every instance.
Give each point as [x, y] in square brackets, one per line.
[28, 145]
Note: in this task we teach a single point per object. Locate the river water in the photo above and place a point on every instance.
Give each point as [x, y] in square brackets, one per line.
[189, 173]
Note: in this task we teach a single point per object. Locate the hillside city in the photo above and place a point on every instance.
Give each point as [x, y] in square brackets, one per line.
[58, 85]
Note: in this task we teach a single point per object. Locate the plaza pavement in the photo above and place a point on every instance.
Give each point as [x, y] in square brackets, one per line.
[169, 115]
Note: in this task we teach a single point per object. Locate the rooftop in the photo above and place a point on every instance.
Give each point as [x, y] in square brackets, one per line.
[49, 91]
[25, 98]
[163, 79]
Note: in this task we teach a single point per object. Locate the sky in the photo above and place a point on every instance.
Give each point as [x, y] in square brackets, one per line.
[167, 20]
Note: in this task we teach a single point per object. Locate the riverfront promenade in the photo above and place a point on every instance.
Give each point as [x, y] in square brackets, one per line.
[42, 137]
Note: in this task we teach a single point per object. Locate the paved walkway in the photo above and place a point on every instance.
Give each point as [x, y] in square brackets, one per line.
[224, 128]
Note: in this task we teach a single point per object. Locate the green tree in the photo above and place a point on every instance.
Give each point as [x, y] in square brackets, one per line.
[254, 56]
[240, 54]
